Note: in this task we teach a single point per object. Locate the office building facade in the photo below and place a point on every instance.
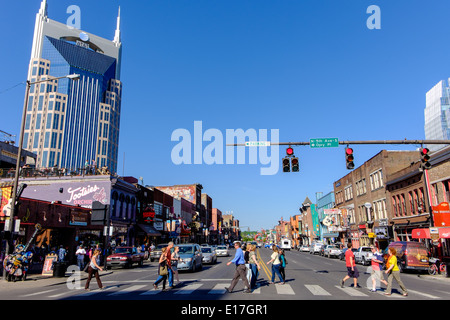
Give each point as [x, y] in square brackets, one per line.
[69, 123]
[437, 114]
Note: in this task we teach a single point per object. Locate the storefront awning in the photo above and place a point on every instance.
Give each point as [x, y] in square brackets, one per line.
[444, 233]
[149, 230]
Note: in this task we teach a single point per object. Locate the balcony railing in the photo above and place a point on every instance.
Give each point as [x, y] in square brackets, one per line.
[54, 172]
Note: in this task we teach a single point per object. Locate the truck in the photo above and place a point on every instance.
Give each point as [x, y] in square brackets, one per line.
[363, 255]
[285, 244]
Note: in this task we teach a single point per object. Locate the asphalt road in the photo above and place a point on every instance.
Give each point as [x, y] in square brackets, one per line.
[308, 277]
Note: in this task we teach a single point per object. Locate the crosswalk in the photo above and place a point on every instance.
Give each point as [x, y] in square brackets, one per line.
[204, 288]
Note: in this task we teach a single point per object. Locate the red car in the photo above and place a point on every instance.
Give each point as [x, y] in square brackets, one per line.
[125, 257]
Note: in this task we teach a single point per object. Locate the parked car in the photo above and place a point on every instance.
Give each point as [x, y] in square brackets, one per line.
[125, 257]
[363, 255]
[190, 257]
[209, 255]
[332, 250]
[315, 247]
[411, 255]
[304, 249]
[342, 256]
[222, 251]
[155, 254]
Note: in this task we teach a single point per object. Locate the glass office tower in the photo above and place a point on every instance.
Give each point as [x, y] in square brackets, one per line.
[437, 114]
[69, 123]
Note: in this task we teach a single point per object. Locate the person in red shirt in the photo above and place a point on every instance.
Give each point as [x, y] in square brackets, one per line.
[352, 271]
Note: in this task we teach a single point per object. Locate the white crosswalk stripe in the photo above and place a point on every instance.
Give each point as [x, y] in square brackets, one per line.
[189, 288]
[219, 288]
[284, 289]
[352, 291]
[317, 290]
[127, 290]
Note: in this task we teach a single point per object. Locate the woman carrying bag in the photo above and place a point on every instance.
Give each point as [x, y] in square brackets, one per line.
[393, 273]
[93, 269]
[163, 270]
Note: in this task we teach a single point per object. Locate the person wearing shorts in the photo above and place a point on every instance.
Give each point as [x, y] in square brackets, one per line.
[352, 271]
[376, 273]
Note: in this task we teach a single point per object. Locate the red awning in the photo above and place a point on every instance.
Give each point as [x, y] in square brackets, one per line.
[444, 233]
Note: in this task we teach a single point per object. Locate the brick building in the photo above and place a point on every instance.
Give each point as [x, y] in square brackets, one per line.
[361, 194]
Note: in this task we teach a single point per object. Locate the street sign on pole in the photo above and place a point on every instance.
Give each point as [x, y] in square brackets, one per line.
[324, 143]
[257, 143]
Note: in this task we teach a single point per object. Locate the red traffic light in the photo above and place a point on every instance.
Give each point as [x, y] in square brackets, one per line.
[289, 151]
[349, 151]
[425, 150]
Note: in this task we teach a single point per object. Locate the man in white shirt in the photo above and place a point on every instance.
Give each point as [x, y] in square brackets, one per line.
[80, 253]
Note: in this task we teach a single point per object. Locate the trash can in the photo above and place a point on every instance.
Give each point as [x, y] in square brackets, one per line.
[59, 269]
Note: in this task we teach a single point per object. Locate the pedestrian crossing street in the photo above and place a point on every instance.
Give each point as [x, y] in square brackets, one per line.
[203, 288]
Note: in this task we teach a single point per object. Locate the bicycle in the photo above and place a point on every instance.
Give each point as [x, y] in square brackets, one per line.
[433, 268]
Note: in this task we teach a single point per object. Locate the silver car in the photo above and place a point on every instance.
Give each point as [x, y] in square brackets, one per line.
[209, 255]
[190, 257]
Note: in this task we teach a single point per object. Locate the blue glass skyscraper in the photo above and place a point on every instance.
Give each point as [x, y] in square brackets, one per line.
[437, 114]
[69, 123]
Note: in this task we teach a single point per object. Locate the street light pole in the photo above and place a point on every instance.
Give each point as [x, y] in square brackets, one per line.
[19, 155]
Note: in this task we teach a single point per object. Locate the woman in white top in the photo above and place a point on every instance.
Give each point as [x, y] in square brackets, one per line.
[275, 260]
[93, 269]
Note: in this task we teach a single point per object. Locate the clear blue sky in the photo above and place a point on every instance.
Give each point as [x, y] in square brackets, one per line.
[309, 68]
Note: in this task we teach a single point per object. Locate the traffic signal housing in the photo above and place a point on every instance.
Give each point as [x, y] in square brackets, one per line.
[290, 152]
[295, 166]
[349, 158]
[286, 164]
[425, 158]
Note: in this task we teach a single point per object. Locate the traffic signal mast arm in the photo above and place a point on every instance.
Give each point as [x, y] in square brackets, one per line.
[421, 142]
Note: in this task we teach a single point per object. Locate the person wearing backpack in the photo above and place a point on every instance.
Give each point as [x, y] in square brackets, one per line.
[283, 264]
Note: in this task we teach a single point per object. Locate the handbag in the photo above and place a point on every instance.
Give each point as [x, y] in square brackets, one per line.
[163, 271]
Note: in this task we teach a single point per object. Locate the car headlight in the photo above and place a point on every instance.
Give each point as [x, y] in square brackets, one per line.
[186, 260]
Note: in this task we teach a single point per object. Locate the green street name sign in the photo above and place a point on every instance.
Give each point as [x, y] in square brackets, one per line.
[257, 143]
[324, 143]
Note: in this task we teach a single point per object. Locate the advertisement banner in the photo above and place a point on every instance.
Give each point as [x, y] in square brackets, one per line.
[441, 215]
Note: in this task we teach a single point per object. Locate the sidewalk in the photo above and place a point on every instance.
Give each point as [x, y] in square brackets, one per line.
[439, 277]
[39, 279]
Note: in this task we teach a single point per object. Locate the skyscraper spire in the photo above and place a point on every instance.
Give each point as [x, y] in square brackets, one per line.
[43, 9]
[117, 39]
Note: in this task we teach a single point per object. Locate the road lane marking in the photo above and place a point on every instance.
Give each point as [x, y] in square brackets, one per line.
[90, 293]
[317, 290]
[218, 288]
[189, 288]
[423, 294]
[37, 293]
[352, 292]
[284, 289]
[127, 290]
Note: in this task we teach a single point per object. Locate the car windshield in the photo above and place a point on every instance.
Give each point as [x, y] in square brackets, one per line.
[206, 250]
[222, 248]
[160, 246]
[366, 249]
[123, 250]
[186, 249]
[333, 247]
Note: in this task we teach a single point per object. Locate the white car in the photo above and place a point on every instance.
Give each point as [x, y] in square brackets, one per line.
[304, 249]
[315, 247]
[222, 251]
[332, 251]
